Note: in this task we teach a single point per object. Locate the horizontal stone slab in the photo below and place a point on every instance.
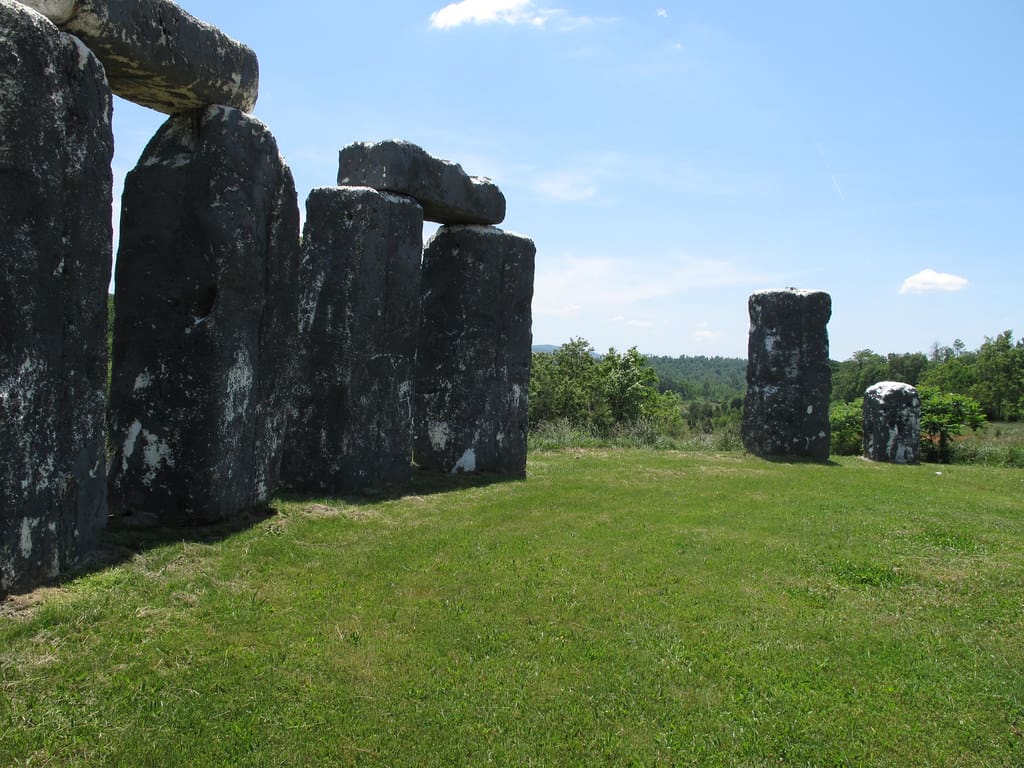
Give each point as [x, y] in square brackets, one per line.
[447, 193]
[158, 55]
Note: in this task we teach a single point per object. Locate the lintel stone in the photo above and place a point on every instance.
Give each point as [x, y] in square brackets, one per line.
[158, 55]
[446, 192]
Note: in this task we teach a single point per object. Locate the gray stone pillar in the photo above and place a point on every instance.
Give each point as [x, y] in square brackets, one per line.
[789, 382]
[206, 321]
[352, 427]
[159, 56]
[55, 240]
[892, 423]
[473, 361]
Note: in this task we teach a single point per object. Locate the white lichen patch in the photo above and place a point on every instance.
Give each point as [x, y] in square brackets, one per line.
[143, 381]
[467, 463]
[25, 544]
[128, 447]
[84, 54]
[155, 454]
[439, 434]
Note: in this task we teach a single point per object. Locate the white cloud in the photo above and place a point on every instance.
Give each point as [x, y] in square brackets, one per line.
[930, 281]
[661, 13]
[503, 12]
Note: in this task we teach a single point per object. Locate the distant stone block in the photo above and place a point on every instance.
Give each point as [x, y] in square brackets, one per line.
[159, 56]
[352, 427]
[473, 362]
[206, 321]
[56, 147]
[447, 194]
[789, 381]
[892, 423]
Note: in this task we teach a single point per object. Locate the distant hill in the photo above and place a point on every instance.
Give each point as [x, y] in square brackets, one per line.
[701, 378]
[717, 379]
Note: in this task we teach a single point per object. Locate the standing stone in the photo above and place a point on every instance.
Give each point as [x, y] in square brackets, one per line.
[446, 192]
[206, 321]
[55, 194]
[159, 56]
[352, 427]
[789, 381]
[892, 423]
[473, 362]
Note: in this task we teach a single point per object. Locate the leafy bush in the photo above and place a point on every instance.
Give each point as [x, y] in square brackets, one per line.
[847, 421]
[943, 415]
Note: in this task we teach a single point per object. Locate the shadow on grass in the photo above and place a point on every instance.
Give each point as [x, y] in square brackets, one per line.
[423, 483]
[798, 460]
[128, 536]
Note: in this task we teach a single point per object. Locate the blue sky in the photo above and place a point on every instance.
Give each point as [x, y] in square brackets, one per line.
[670, 158]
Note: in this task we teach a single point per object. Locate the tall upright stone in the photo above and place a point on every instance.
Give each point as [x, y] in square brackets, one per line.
[159, 56]
[55, 240]
[473, 361]
[351, 431]
[892, 423]
[789, 381]
[207, 308]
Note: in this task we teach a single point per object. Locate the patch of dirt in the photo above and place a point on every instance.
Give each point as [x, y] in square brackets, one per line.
[23, 607]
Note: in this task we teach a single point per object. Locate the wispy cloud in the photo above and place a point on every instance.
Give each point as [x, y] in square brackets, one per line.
[504, 12]
[567, 186]
[598, 282]
[930, 281]
[705, 335]
[581, 180]
[661, 13]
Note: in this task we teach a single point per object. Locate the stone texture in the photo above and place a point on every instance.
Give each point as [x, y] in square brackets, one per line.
[892, 423]
[159, 56]
[55, 194]
[789, 381]
[448, 195]
[206, 321]
[352, 427]
[473, 360]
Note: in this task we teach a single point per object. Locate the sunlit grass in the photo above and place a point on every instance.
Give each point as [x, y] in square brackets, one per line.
[619, 607]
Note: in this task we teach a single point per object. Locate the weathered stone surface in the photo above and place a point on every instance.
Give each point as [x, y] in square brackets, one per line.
[159, 56]
[206, 318]
[352, 427]
[892, 423]
[55, 193]
[473, 361]
[788, 377]
[447, 194]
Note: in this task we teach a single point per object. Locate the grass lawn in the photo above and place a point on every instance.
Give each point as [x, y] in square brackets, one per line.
[617, 608]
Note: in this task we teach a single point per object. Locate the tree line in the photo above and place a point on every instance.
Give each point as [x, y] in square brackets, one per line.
[992, 375]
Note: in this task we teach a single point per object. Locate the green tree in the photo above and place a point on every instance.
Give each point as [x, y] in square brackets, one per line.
[952, 369]
[851, 377]
[944, 415]
[566, 384]
[630, 385]
[908, 367]
[999, 377]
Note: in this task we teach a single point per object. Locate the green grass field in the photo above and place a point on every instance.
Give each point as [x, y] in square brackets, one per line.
[617, 608]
